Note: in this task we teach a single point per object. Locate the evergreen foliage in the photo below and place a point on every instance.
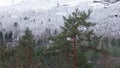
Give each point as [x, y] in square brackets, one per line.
[30, 54]
[113, 42]
[1, 38]
[118, 41]
[24, 50]
[75, 25]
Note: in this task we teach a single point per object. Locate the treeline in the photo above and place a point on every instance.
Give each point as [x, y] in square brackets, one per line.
[57, 51]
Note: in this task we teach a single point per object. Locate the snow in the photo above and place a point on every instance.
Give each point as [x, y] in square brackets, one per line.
[44, 14]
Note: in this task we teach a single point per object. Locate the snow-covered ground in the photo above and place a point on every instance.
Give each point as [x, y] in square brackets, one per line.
[41, 14]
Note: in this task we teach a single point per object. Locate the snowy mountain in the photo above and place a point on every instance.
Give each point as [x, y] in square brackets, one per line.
[39, 15]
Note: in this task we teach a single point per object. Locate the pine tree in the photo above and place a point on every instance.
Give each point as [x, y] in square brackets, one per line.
[24, 50]
[113, 42]
[1, 38]
[76, 25]
[118, 41]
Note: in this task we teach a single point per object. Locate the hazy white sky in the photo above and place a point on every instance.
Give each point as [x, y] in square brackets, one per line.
[9, 2]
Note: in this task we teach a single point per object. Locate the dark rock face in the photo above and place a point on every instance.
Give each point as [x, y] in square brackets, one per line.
[111, 1]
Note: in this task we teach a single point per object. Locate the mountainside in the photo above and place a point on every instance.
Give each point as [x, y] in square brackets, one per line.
[39, 15]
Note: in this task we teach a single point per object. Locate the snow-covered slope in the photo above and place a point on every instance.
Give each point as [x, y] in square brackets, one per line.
[41, 14]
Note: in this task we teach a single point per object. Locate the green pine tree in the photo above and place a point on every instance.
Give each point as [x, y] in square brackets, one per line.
[25, 50]
[1, 38]
[75, 25]
[113, 42]
[118, 41]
